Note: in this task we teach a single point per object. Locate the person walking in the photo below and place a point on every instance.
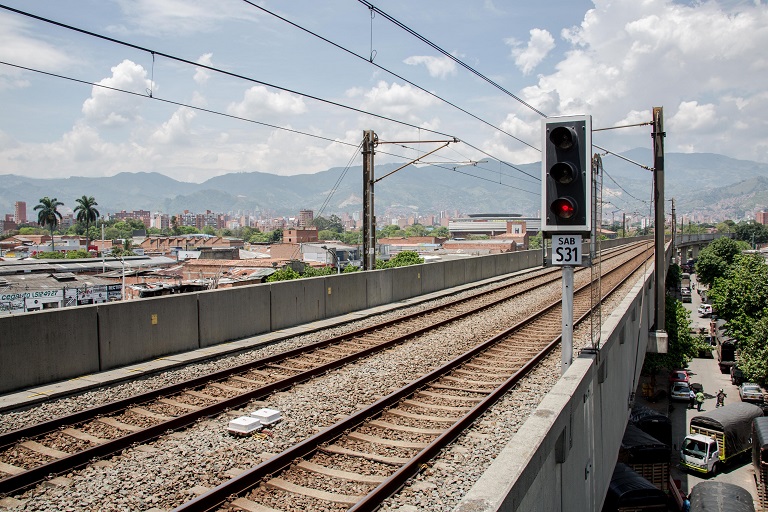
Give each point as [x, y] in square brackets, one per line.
[691, 399]
[720, 398]
[699, 400]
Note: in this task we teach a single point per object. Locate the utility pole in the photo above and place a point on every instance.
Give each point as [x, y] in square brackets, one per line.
[658, 187]
[369, 219]
[624, 225]
[674, 229]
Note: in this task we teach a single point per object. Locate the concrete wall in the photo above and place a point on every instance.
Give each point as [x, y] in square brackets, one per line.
[71, 342]
[233, 313]
[35, 349]
[562, 457]
[137, 330]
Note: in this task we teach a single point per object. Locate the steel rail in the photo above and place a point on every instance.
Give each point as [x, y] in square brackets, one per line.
[31, 476]
[250, 478]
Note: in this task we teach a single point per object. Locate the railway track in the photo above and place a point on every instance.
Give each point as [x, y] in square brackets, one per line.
[369, 455]
[32, 454]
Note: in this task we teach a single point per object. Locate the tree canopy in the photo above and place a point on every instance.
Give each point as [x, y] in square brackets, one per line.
[715, 258]
[48, 214]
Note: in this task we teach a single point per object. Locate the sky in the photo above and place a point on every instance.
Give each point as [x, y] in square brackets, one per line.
[294, 95]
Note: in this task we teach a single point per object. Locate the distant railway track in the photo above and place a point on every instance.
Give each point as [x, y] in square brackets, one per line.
[392, 439]
[32, 454]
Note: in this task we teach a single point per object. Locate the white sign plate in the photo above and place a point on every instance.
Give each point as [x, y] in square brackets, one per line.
[566, 249]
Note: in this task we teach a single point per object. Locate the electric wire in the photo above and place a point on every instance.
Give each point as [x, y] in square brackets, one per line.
[382, 68]
[218, 70]
[177, 103]
[373, 8]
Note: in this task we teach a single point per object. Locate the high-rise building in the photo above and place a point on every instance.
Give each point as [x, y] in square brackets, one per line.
[761, 217]
[20, 212]
[305, 218]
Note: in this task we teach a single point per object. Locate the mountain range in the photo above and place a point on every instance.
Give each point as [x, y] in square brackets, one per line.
[705, 183]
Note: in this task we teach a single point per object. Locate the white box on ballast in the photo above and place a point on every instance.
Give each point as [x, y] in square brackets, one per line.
[244, 425]
[267, 416]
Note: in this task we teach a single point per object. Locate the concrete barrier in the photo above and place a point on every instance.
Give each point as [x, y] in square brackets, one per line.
[34, 350]
[406, 282]
[455, 273]
[433, 277]
[233, 313]
[297, 302]
[378, 287]
[138, 330]
[345, 293]
[562, 457]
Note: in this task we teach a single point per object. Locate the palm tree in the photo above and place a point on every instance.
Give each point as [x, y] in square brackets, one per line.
[86, 212]
[48, 214]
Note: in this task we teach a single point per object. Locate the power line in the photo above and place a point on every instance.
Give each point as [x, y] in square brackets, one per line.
[382, 68]
[177, 103]
[373, 8]
[217, 70]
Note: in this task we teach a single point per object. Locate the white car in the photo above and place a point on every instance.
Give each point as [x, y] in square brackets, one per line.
[680, 391]
[705, 310]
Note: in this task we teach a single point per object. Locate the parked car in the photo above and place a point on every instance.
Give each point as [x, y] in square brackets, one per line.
[737, 376]
[679, 376]
[705, 310]
[751, 392]
[680, 391]
[686, 294]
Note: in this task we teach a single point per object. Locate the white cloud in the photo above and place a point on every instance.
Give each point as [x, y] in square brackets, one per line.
[18, 39]
[396, 100]
[258, 100]
[112, 108]
[178, 17]
[438, 67]
[700, 61]
[201, 74]
[177, 129]
[529, 56]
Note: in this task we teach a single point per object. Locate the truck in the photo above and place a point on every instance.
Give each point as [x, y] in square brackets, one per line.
[646, 455]
[685, 281]
[630, 491]
[711, 496]
[760, 458]
[717, 437]
[726, 353]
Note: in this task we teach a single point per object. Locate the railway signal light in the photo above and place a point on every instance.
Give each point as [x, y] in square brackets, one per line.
[566, 175]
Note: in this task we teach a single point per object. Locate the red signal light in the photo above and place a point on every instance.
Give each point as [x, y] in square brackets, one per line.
[564, 207]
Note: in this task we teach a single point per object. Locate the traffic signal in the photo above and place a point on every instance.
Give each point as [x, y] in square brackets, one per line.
[566, 175]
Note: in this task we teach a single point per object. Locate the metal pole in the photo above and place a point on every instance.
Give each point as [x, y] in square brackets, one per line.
[369, 219]
[567, 325]
[123, 262]
[658, 183]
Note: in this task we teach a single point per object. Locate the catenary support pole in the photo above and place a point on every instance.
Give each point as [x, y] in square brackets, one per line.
[369, 219]
[658, 183]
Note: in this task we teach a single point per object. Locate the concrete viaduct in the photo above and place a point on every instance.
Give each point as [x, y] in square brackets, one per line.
[561, 459]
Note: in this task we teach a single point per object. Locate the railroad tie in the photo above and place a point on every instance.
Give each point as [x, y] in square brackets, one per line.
[119, 425]
[414, 416]
[198, 394]
[285, 485]
[337, 473]
[396, 443]
[466, 390]
[11, 469]
[462, 380]
[224, 387]
[339, 450]
[79, 434]
[247, 381]
[432, 394]
[252, 506]
[44, 450]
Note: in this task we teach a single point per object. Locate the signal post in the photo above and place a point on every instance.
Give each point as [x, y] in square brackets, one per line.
[566, 210]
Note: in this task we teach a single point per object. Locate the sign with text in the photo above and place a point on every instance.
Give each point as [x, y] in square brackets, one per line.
[566, 250]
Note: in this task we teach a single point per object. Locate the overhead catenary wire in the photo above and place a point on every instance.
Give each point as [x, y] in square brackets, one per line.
[458, 61]
[382, 68]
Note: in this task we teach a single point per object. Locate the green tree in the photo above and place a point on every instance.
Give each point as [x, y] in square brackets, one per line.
[86, 212]
[48, 214]
[415, 230]
[715, 258]
[27, 230]
[49, 256]
[405, 258]
[753, 352]
[78, 254]
[440, 232]
[740, 295]
[284, 274]
[327, 234]
[682, 345]
[208, 230]
[390, 231]
[534, 242]
[751, 232]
